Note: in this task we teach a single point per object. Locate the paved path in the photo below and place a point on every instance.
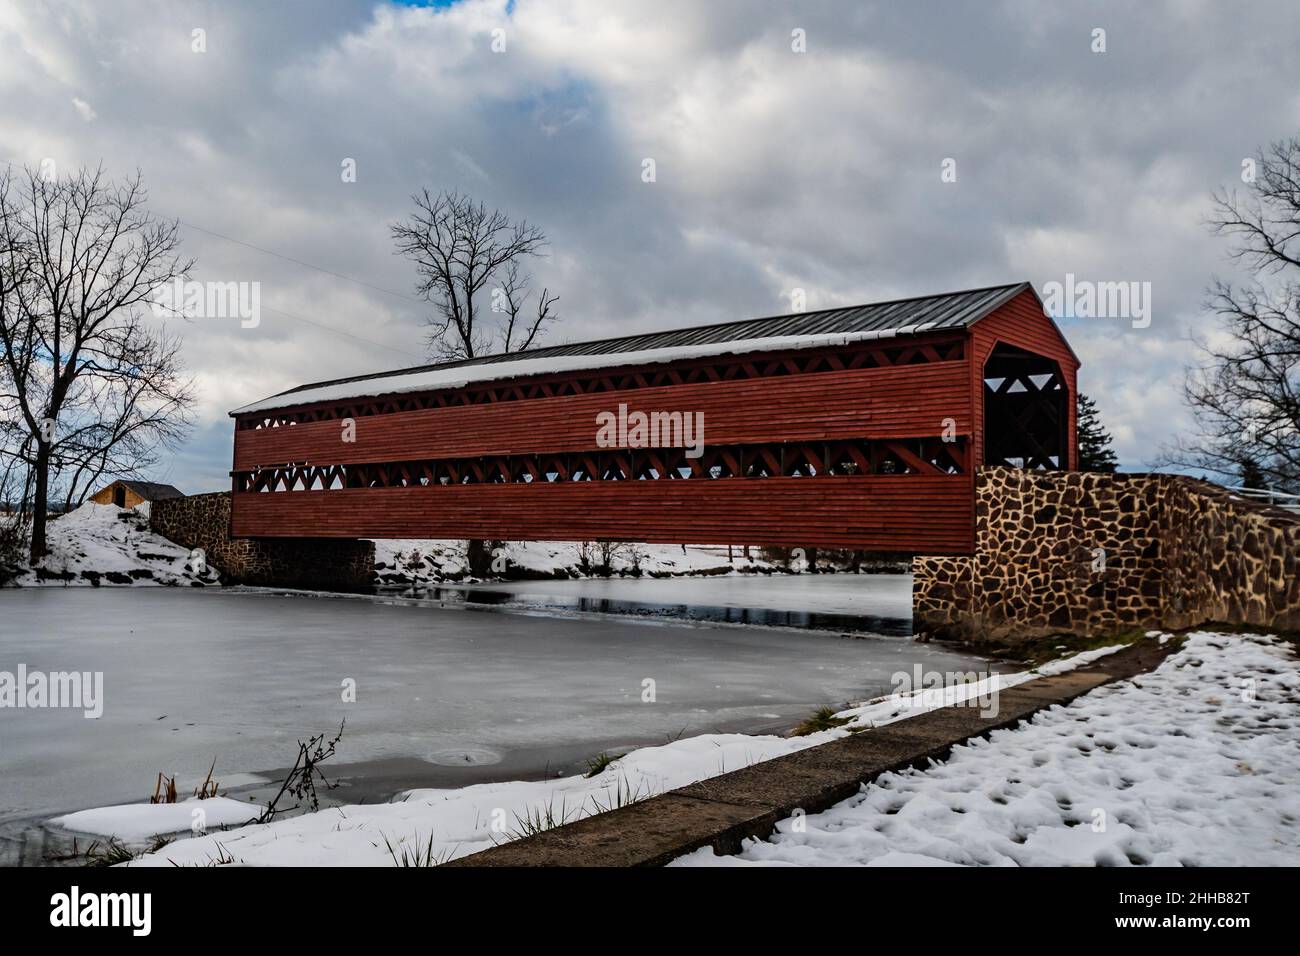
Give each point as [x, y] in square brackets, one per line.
[725, 810]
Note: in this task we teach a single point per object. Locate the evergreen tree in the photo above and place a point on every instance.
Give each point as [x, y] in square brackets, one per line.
[1252, 476]
[1095, 453]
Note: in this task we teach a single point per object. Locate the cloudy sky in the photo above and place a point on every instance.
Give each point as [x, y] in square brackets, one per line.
[775, 169]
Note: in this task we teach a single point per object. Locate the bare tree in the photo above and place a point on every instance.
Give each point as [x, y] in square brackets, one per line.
[462, 251]
[16, 440]
[520, 333]
[14, 515]
[460, 248]
[87, 385]
[1246, 391]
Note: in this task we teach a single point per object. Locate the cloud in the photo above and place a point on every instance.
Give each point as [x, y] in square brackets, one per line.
[776, 169]
[84, 109]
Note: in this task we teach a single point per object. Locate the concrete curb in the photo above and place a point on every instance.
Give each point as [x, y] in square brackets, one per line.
[723, 811]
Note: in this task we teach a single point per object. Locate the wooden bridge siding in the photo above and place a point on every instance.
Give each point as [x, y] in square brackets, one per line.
[905, 513]
[1022, 323]
[903, 402]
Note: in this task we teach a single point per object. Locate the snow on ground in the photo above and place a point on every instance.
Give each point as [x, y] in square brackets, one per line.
[455, 823]
[469, 819]
[404, 562]
[135, 823]
[106, 545]
[1195, 764]
[886, 710]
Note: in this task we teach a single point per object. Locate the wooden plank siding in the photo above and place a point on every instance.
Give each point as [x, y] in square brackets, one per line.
[904, 402]
[905, 513]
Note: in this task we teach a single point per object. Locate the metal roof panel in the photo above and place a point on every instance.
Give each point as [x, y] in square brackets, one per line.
[949, 310]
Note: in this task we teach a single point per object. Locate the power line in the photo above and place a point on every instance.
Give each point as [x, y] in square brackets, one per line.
[308, 265]
[278, 255]
[300, 262]
[329, 328]
[331, 272]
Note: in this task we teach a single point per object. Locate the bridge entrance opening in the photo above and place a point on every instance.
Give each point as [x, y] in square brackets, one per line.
[1026, 410]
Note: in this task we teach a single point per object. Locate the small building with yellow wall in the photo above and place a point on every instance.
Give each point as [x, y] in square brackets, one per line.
[126, 493]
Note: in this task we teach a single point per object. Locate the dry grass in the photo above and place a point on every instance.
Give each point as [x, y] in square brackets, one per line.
[165, 790]
[823, 718]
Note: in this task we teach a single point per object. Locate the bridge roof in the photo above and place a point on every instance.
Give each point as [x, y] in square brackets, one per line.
[820, 329]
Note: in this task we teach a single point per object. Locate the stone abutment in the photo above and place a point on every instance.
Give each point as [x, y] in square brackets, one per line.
[1091, 554]
[317, 564]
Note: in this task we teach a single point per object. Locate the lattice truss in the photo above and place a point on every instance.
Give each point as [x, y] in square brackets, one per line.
[932, 456]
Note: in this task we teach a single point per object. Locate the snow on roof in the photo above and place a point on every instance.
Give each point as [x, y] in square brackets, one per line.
[463, 375]
[827, 328]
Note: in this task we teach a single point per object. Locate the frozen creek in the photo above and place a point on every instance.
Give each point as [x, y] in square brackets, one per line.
[444, 697]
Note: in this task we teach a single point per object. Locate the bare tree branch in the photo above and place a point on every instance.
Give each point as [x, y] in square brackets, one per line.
[1245, 392]
[460, 248]
[86, 387]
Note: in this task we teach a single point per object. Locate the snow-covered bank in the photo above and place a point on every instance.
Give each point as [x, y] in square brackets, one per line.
[420, 562]
[106, 545]
[1195, 764]
[455, 823]
[135, 823]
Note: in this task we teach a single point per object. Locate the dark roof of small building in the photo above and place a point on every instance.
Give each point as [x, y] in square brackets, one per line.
[152, 490]
[949, 310]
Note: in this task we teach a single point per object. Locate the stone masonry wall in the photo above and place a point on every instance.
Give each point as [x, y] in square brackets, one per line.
[943, 597]
[325, 564]
[1091, 554]
[1229, 559]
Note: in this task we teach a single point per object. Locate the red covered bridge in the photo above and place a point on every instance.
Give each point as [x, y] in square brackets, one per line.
[855, 427]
